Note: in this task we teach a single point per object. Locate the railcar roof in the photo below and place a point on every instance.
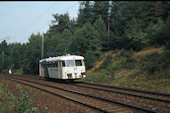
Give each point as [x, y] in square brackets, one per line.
[70, 57]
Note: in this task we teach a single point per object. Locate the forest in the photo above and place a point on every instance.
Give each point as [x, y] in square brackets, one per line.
[101, 26]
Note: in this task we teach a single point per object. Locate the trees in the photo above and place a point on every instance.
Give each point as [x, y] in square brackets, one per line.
[133, 25]
[65, 41]
[101, 9]
[59, 23]
[85, 13]
[32, 54]
[86, 42]
[159, 33]
[3, 47]
[100, 26]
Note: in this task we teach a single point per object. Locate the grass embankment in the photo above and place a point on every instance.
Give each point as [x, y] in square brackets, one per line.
[15, 104]
[148, 69]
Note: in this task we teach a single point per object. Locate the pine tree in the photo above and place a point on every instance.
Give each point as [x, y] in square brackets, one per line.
[100, 26]
[85, 13]
[101, 9]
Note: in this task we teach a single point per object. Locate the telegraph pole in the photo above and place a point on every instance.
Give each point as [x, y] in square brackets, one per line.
[108, 27]
[42, 48]
[109, 13]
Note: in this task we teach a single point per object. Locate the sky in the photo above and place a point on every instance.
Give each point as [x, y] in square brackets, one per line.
[18, 20]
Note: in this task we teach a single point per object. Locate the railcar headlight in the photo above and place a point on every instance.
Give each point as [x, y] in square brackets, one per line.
[83, 73]
[69, 75]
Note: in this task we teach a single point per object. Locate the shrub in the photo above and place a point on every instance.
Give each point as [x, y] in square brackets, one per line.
[12, 104]
[127, 61]
[167, 45]
[165, 59]
[155, 62]
[106, 62]
[90, 59]
[151, 63]
[102, 77]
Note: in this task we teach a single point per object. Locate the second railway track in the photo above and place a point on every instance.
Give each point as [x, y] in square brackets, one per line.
[127, 91]
[98, 103]
[162, 97]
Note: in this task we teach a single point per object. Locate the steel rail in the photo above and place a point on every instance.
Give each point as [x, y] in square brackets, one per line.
[119, 92]
[129, 89]
[116, 87]
[111, 101]
[65, 97]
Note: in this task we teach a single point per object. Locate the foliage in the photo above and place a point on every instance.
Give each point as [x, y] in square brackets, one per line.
[85, 13]
[86, 42]
[155, 62]
[101, 10]
[133, 26]
[106, 62]
[125, 68]
[10, 103]
[100, 26]
[62, 22]
[100, 77]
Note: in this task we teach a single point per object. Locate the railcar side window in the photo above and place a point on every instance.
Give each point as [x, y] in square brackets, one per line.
[78, 63]
[69, 63]
[56, 64]
[63, 64]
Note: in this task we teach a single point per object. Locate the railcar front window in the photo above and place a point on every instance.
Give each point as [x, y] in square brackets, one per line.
[78, 63]
[69, 63]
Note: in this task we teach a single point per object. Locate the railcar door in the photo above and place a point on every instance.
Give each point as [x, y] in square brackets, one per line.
[46, 71]
[59, 70]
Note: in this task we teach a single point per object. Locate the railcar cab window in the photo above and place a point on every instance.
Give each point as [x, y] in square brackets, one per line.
[63, 63]
[78, 62]
[69, 63]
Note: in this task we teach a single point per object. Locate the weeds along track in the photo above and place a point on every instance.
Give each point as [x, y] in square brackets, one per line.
[95, 102]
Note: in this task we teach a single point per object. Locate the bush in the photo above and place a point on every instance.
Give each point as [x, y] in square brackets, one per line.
[106, 62]
[155, 62]
[102, 77]
[165, 60]
[90, 59]
[12, 104]
[151, 63]
[167, 45]
[126, 61]
[125, 53]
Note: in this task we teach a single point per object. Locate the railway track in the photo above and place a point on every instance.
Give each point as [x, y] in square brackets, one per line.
[156, 96]
[161, 97]
[164, 97]
[148, 103]
[98, 103]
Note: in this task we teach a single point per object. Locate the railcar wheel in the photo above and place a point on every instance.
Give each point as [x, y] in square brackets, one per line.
[69, 81]
[47, 79]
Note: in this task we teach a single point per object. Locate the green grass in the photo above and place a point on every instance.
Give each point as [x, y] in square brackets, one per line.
[148, 69]
[15, 104]
[18, 71]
